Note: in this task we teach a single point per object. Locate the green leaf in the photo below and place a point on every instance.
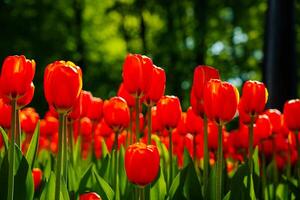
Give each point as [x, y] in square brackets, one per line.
[105, 151]
[212, 183]
[5, 138]
[227, 196]
[49, 191]
[73, 180]
[176, 186]
[159, 189]
[33, 146]
[92, 182]
[122, 173]
[256, 162]
[192, 185]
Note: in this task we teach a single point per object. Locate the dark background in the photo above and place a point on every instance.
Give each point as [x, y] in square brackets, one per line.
[249, 39]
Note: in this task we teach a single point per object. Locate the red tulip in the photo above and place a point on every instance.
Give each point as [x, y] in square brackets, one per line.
[27, 97]
[5, 116]
[142, 163]
[194, 123]
[86, 127]
[291, 112]
[254, 97]
[89, 196]
[86, 102]
[62, 85]
[37, 175]
[137, 74]
[202, 74]
[16, 76]
[275, 119]
[116, 113]
[77, 109]
[103, 129]
[169, 111]
[95, 109]
[29, 119]
[220, 100]
[157, 87]
[181, 127]
[122, 92]
[262, 128]
[156, 123]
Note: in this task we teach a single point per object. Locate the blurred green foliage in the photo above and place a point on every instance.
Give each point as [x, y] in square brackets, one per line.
[177, 34]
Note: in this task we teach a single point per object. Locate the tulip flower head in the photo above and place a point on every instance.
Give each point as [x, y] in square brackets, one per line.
[137, 74]
[169, 111]
[220, 101]
[141, 163]
[202, 74]
[291, 112]
[62, 85]
[116, 113]
[89, 196]
[16, 76]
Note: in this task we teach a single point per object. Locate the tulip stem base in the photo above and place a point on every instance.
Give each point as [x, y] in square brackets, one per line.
[59, 164]
[206, 157]
[18, 129]
[10, 194]
[219, 163]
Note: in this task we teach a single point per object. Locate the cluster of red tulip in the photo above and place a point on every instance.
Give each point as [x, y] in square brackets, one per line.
[75, 114]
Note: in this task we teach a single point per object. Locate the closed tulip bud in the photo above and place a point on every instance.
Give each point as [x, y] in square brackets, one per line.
[86, 102]
[137, 74]
[103, 129]
[16, 76]
[37, 175]
[254, 97]
[62, 85]
[122, 92]
[262, 128]
[142, 163]
[181, 127]
[275, 119]
[156, 123]
[77, 109]
[169, 111]
[89, 196]
[291, 112]
[116, 113]
[27, 97]
[5, 116]
[29, 119]
[95, 109]
[194, 123]
[220, 100]
[157, 87]
[86, 127]
[202, 74]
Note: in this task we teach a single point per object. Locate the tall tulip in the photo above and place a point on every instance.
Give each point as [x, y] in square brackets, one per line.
[141, 163]
[220, 105]
[116, 115]
[169, 106]
[62, 87]
[16, 76]
[253, 101]
[202, 74]
[291, 113]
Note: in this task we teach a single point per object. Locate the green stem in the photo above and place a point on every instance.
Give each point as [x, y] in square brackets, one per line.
[170, 159]
[18, 129]
[116, 162]
[60, 156]
[137, 118]
[142, 193]
[149, 124]
[10, 195]
[298, 161]
[275, 171]
[264, 171]
[250, 160]
[206, 157]
[65, 150]
[71, 142]
[288, 171]
[219, 164]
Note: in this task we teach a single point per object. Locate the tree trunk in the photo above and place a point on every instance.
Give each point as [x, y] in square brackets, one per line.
[280, 74]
